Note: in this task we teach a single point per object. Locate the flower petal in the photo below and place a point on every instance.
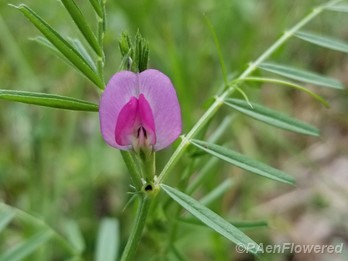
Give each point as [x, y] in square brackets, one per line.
[161, 96]
[126, 121]
[146, 119]
[119, 91]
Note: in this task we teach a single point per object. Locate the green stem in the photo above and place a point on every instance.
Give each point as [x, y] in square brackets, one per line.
[137, 230]
[101, 33]
[219, 99]
[133, 169]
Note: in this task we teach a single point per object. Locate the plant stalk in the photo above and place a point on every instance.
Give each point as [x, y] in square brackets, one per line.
[137, 230]
[231, 89]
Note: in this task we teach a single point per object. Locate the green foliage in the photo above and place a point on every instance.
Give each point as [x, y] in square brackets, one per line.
[243, 161]
[84, 182]
[301, 75]
[272, 117]
[24, 249]
[82, 24]
[211, 219]
[66, 49]
[323, 41]
[48, 100]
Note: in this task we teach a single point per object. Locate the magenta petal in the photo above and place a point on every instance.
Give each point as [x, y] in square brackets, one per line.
[118, 92]
[146, 119]
[161, 96]
[126, 122]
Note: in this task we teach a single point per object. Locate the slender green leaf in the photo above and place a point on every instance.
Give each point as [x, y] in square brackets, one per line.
[83, 52]
[216, 192]
[243, 161]
[238, 224]
[108, 240]
[75, 42]
[323, 41]
[24, 249]
[82, 24]
[290, 84]
[211, 219]
[300, 75]
[74, 235]
[218, 49]
[44, 42]
[250, 224]
[97, 7]
[62, 45]
[272, 117]
[6, 215]
[48, 100]
[338, 8]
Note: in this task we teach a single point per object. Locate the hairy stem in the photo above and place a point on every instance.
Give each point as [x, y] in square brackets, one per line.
[137, 230]
[219, 99]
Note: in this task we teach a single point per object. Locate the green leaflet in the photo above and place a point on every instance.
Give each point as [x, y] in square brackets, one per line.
[243, 161]
[211, 219]
[108, 242]
[323, 41]
[290, 84]
[82, 24]
[272, 117]
[24, 249]
[75, 42]
[338, 8]
[245, 225]
[6, 215]
[97, 7]
[62, 45]
[300, 75]
[48, 100]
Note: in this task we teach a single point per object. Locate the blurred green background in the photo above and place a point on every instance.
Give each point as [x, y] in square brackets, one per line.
[55, 165]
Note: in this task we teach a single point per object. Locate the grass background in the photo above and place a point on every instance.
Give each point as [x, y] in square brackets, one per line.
[55, 165]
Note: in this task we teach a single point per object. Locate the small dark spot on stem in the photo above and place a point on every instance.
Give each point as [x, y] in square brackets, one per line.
[148, 188]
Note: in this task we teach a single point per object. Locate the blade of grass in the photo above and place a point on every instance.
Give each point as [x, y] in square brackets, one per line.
[24, 249]
[26, 217]
[74, 235]
[48, 100]
[243, 161]
[6, 215]
[218, 49]
[108, 241]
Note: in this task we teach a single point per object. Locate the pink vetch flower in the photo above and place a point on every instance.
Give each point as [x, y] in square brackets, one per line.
[140, 110]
